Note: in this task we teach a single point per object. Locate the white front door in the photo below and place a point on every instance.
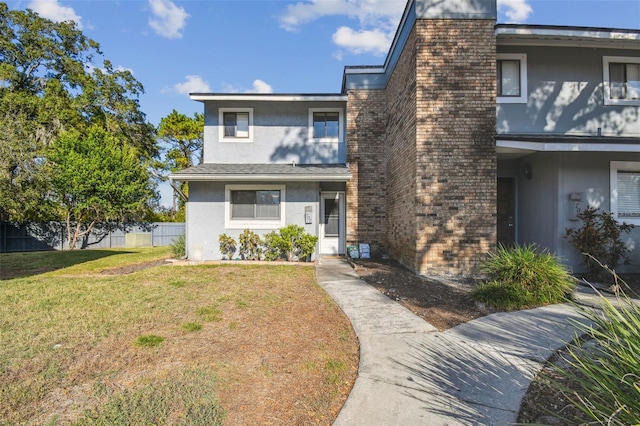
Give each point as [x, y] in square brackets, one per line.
[332, 223]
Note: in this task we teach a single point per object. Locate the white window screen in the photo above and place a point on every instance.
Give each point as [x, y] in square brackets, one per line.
[508, 78]
[633, 81]
[242, 125]
[628, 194]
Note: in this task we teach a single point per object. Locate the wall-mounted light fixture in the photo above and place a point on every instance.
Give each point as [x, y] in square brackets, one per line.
[528, 172]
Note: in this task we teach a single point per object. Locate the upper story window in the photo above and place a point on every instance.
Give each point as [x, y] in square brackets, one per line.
[236, 124]
[511, 78]
[621, 80]
[325, 124]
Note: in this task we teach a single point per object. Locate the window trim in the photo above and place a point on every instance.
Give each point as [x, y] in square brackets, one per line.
[522, 99]
[606, 60]
[230, 223]
[222, 137]
[341, 129]
[615, 167]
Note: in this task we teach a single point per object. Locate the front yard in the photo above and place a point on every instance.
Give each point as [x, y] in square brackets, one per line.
[112, 337]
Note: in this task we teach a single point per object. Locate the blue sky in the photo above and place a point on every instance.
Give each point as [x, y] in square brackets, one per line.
[177, 47]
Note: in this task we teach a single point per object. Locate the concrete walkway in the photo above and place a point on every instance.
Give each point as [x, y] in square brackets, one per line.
[473, 374]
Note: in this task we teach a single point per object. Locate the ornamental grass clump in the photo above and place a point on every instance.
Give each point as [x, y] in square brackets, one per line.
[523, 277]
[607, 377]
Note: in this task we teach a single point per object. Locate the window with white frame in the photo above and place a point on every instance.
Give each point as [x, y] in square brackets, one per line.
[326, 124]
[625, 190]
[236, 124]
[621, 80]
[511, 78]
[254, 206]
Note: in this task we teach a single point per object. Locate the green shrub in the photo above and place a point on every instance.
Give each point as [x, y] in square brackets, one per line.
[291, 242]
[228, 246]
[523, 277]
[250, 245]
[599, 240]
[178, 249]
[607, 377]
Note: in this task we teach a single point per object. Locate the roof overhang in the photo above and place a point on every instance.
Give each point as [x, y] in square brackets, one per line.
[524, 145]
[542, 35]
[319, 97]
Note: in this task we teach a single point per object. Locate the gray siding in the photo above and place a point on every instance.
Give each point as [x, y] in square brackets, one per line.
[565, 95]
[280, 135]
[206, 215]
[543, 202]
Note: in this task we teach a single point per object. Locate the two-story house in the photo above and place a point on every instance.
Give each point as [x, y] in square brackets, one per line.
[469, 134]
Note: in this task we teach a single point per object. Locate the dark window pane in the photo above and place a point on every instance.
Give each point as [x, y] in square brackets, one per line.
[332, 125]
[255, 204]
[230, 124]
[616, 81]
[243, 204]
[326, 124]
[331, 218]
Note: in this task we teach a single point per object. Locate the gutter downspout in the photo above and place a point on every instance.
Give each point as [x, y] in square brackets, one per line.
[178, 190]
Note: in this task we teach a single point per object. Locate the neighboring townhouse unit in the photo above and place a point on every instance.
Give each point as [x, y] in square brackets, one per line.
[469, 134]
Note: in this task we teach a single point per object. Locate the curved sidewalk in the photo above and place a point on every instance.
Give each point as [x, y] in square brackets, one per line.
[474, 374]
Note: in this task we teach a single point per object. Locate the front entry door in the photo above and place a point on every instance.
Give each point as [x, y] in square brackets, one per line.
[332, 226]
[506, 211]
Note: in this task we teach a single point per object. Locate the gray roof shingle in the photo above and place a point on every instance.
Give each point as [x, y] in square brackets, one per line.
[265, 172]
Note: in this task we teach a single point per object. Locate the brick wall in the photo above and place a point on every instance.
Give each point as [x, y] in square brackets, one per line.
[366, 215]
[456, 159]
[422, 151]
[401, 157]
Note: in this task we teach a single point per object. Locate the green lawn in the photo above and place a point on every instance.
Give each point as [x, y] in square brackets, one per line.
[97, 341]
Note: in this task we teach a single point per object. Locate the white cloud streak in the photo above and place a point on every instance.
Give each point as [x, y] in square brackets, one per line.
[374, 41]
[54, 11]
[168, 19]
[193, 84]
[516, 11]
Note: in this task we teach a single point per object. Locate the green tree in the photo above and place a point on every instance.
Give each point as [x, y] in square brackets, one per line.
[183, 138]
[51, 81]
[96, 178]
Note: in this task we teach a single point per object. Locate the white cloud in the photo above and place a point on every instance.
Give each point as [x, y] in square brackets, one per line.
[260, 86]
[364, 41]
[193, 84]
[516, 11]
[168, 19]
[378, 20]
[54, 11]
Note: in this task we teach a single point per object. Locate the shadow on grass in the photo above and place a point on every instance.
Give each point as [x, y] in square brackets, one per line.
[20, 265]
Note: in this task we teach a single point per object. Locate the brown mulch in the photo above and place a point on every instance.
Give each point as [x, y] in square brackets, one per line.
[445, 303]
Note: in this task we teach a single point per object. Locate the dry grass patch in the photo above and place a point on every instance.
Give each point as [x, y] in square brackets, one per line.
[270, 342]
